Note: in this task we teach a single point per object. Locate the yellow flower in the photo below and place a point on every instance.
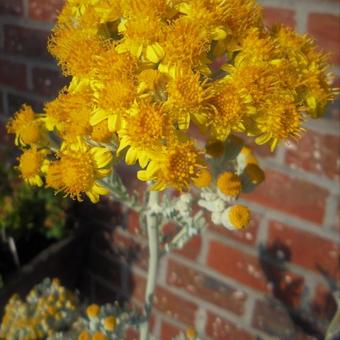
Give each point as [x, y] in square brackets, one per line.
[27, 127]
[236, 217]
[174, 167]
[281, 121]
[245, 157]
[204, 179]
[259, 81]
[84, 335]
[98, 336]
[228, 111]
[30, 165]
[101, 133]
[191, 333]
[77, 171]
[187, 98]
[110, 323]
[229, 184]
[70, 114]
[142, 28]
[185, 46]
[75, 49]
[112, 102]
[92, 311]
[145, 130]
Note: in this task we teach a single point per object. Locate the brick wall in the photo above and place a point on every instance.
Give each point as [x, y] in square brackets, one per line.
[275, 279]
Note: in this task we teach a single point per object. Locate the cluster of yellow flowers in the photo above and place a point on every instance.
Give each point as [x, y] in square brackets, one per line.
[48, 308]
[100, 324]
[148, 75]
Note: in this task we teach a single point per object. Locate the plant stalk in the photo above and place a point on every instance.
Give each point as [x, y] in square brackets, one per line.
[153, 240]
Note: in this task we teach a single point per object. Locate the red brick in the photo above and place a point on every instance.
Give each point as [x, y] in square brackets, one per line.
[45, 10]
[47, 82]
[138, 287]
[13, 74]
[206, 287]
[316, 153]
[247, 236]
[323, 304]
[273, 319]
[131, 334]
[234, 263]
[11, 7]
[307, 249]
[26, 42]
[192, 248]
[274, 16]
[336, 224]
[291, 195]
[169, 332]
[174, 306]
[326, 29]
[221, 329]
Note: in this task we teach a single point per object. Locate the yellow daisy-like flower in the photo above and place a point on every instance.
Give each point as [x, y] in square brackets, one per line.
[175, 167]
[27, 127]
[92, 311]
[101, 133]
[236, 217]
[145, 130]
[110, 323]
[203, 180]
[185, 46]
[191, 333]
[84, 335]
[228, 111]
[30, 165]
[187, 98]
[229, 184]
[77, 171]
[70, 114]
[113, 101]
[75, 49]
[281, 121]
[98, 336]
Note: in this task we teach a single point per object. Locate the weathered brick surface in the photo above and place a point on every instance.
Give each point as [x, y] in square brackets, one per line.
[316, 153]
[11, 7]
[13, 74]
[47, 82]
[221, 329]
[234, 263]
[315, 253]
[274, 15]
[291, 195]
[45, 10]
[26, 42]
[175, 306]
[326, 29]
[206, 287]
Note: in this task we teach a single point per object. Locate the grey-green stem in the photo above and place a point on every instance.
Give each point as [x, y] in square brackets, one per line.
[153, 230]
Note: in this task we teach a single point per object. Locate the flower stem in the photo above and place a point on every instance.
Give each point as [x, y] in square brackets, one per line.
[152, 227]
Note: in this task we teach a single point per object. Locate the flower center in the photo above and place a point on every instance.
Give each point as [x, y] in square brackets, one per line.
[239, 216]
[30, 163]
[229, 184]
